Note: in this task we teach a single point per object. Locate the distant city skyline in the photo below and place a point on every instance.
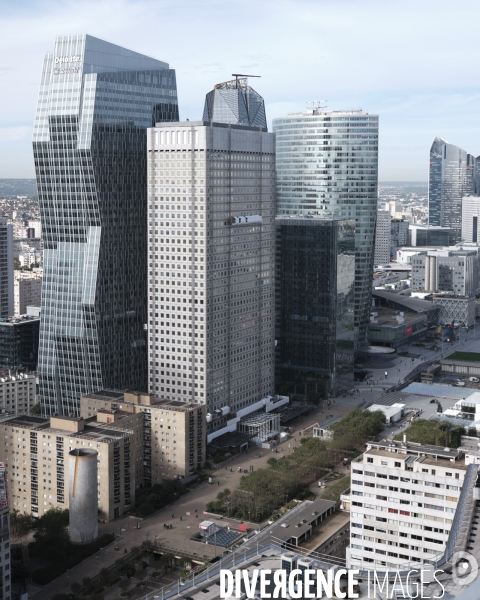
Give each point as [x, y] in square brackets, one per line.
[389, 62]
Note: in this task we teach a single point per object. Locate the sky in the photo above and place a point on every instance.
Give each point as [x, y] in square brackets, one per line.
[412, 62]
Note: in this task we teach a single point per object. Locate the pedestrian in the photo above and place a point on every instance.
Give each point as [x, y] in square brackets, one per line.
[181, 518]
[218, 483]
[173, 515]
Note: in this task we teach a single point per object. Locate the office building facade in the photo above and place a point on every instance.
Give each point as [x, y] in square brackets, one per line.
[211, 263]
[327, 164]
[6, 269]
[451, 177]
[96, 102]
[454, 271]
[27, 291]
[315, 283]
[18, 393]
[19, 341]
[470, 218]
[382, 238]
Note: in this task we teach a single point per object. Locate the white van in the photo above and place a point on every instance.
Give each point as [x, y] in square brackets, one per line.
[459, 383]
[474, 379]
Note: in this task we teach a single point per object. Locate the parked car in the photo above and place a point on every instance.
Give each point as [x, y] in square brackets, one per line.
[474, 379]
[459, 383]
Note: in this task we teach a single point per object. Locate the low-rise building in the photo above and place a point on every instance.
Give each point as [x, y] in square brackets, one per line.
[392, 413]
[35, 449]
[402, 502]
[174, 432]
[18, 393]
[460, 309]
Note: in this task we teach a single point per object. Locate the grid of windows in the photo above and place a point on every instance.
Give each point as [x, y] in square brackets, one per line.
[327, 164]
[211, 337]
[96, 102]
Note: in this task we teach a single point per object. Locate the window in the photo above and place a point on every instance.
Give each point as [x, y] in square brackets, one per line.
[370, 460]
[398, 464]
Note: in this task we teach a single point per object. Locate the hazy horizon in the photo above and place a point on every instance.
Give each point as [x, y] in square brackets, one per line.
[385, 58]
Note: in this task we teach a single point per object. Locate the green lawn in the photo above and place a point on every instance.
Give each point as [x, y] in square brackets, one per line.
[466, 356]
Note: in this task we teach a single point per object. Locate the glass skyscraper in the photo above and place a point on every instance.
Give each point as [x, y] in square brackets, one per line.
[452, 176]
[96, 102]
[327, 164]
[314, 305]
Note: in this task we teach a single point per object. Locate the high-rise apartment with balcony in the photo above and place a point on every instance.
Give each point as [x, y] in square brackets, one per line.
[211, 239]
[327, 164]
[451, 177]
[96, 102]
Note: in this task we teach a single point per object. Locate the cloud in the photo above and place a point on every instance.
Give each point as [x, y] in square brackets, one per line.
[413, 62]
[9, 134]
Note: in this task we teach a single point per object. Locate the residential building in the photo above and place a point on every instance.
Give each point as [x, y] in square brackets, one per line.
[382, 238]
[174, 433]
[96, 102]
[315, 282]
[19, 343]
[402, 499]
[38, 480]
[18, 393]
[327, 164]
[470, 217]
[453, 271]
[211, 203]
[6, 269]
[5, 551]
[452, 176]
[27, 291]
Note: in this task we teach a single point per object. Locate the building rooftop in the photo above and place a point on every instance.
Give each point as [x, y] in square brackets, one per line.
[414, 304]
[388, 446]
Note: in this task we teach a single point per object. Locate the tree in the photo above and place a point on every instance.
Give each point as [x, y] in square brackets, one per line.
[124, 584]
[36, 410]
[88, 585]
[51, 535]
[76, 587]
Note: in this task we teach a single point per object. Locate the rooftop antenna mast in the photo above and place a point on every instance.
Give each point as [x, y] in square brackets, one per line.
[237, 75]
[316, 104]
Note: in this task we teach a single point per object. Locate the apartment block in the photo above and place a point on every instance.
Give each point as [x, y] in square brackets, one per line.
[18, 393]
[402, 502]
[35, 453]
[174, 432]
[5, 561]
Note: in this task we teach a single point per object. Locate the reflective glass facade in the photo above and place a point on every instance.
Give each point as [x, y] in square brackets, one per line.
[315, 282]
[235, 103]
[452, 176]
[327, 164]
[96, 102]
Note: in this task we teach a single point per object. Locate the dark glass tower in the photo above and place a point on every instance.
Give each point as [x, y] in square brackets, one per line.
[452, 176]
[314, 305]
[236, 103]
[96, 102]
[327, 165]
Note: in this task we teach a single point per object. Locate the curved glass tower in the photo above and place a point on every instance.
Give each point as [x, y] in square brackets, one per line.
[452, 176]
[236, 103]
[327, 165]
[95, 104]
